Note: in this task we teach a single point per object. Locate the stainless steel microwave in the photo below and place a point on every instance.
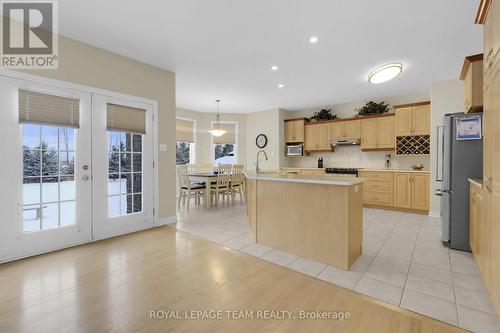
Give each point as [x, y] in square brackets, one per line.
[295, 150]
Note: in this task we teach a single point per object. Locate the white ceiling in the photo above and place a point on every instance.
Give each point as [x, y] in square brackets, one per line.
[225, 48]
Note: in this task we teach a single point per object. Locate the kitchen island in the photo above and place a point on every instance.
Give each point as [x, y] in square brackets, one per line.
[319, 217]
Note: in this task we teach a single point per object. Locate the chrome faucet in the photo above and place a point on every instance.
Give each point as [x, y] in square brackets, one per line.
[257, 169]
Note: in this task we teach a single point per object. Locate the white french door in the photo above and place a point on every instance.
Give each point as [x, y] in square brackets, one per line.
[123, 189]
[63, 186]
[46, 188]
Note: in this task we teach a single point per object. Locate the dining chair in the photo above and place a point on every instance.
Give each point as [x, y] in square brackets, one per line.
[223, 184]
[237, 181]
[187, 189]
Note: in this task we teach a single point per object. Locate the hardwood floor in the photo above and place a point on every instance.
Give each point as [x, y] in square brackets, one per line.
[113, 285]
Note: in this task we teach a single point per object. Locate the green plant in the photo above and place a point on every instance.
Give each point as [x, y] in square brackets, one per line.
[323, 114]
[371, 108]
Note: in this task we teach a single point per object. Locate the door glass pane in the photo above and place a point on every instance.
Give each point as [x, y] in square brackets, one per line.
[50, 138]
[50, 189]
[31, 163]
[68, 213]
[50, 163]
[52, 156]
[124, 173]
[31, 218]
[67, 188]
[31, 190]
[50, 216]
[31, 136]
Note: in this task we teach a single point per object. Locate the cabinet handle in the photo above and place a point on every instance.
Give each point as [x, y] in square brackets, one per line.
[489, 180]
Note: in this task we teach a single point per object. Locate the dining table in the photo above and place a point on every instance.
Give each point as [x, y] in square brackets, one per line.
[206, 176]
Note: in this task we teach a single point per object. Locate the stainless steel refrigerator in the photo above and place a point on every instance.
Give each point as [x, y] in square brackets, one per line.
[461, 160]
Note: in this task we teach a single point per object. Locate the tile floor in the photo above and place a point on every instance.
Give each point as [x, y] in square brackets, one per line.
[403, 263]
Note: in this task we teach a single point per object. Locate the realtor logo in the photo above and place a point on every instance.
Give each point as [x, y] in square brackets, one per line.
[29, 34]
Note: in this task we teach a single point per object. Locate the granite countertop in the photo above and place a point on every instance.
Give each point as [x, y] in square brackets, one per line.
[360, 169]
[309, 179]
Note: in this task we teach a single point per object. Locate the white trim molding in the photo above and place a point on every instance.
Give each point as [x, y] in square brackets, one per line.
[167, 220]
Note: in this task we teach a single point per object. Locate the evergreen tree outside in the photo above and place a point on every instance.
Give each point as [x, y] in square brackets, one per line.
[182, 153]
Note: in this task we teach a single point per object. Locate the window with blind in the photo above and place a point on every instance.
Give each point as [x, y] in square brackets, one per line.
[184, 136]
[224, 146]
[126, 127]
[49, 126]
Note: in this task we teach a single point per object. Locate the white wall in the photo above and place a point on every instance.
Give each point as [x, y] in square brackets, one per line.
[446, 97]
[353, 157]
[268, 123]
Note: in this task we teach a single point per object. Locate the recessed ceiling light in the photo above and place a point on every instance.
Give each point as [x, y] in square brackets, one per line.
[274, 68]
[385, 73]
[313, 40]
[281, 85]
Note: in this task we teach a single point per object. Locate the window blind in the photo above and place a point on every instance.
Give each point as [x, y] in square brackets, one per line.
[227, 138]
[126, 118]
[184, 130]
[48, 109]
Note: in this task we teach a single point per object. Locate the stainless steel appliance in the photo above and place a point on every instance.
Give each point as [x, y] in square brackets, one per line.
[349, 142]
[295, 150]
[460, 160]
[351, 172]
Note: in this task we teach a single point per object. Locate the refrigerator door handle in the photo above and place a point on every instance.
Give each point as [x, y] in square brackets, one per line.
[440, 137]
[438, 193]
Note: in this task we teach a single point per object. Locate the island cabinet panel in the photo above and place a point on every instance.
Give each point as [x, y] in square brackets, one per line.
[316, 221]
[402, 190]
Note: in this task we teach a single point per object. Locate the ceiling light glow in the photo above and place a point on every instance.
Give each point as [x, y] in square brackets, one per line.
[274, 68]
[385, 73]
[313, 40]
[281, 85]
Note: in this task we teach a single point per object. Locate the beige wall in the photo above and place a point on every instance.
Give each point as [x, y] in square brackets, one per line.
[268, 123]
[203, 144]
[83, 64]
[446, 97]
[350, 157]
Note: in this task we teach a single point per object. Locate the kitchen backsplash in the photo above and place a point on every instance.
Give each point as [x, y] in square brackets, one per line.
[353, 157]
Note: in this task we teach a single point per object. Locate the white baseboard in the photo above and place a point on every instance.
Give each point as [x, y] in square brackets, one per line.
[167, 220]
[435, 213]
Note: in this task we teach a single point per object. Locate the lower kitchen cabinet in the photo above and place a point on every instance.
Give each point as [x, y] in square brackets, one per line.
[411, 190]
[479, 231]
[377, 188]
[402, 190]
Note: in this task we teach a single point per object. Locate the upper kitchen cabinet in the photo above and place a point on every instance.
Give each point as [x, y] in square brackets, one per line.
[344, 130]
[294, 130]
[472, 75]
[413, 119]
[378, 133]
[317, 137]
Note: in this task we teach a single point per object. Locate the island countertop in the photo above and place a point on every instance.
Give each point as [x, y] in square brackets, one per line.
[307, 179]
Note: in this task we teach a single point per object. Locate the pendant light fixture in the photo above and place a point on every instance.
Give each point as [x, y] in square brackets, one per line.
[217, 129]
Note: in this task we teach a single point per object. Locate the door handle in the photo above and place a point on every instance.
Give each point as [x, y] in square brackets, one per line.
[85, 178]
[85, 167]
[438, 193]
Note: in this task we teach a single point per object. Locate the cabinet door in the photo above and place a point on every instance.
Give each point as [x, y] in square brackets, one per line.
[421, 120]
[323, 136]
[337, 130]
[289, 129]
[402, 190]
[473, 224]
[468, 90]
[369, 133]
[310, 142]
[404, 120]
[298, 130]
[386, 133]
[352, 129]
[420, 191]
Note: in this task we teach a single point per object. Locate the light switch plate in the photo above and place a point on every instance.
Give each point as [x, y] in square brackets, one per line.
[163, 147]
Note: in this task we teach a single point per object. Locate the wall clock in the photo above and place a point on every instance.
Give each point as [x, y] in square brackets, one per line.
[261, 141]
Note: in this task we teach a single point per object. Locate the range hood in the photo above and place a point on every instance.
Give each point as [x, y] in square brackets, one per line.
[348, 142]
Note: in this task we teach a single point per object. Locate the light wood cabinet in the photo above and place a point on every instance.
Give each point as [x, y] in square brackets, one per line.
[420, 191]
[377, 188]
[412, 119]
[472, 75]
[317, 137]
[378, 133]
[343, 130]
[402, 190]
[294, 130]
[312, 172]
[476, 225]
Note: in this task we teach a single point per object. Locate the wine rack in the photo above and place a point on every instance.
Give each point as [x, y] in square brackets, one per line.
[413, 145]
